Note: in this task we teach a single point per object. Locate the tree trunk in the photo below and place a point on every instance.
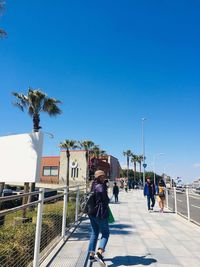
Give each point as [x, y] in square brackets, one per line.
[87, 178]
[1, 188]
[36, 122]
[127, 167]
[36, 128]
[134, 171]
[68, 158]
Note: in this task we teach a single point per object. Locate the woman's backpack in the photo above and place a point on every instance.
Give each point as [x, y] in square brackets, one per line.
[89, 205]
[161, 192]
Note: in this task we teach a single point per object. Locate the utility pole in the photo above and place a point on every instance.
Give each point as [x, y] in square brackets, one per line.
[143, 150]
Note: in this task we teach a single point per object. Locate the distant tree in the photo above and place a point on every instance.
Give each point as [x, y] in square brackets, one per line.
[127, 154]
[87, 145]
[67, 145]
[95, 155]
[2, 32]
[134, 159]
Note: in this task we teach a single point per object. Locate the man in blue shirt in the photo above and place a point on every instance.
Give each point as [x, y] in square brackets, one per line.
[149, 191]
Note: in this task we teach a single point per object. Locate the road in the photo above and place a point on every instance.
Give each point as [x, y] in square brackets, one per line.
[194, 201]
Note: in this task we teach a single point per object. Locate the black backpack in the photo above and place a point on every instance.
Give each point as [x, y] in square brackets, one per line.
[89, 205]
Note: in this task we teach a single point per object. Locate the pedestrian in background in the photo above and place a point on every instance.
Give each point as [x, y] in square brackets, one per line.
[160, 190]
[116, 192]
[126, 186]
[149, 192]
[99, 218]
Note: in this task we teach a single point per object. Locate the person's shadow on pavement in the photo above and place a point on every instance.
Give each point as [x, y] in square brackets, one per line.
[130, 261]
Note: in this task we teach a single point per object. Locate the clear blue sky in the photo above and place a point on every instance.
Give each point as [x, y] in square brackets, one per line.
[110, 63]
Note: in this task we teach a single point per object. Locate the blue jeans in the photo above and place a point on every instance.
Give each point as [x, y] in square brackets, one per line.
[98, 226]
[150, 201]
[116, 197]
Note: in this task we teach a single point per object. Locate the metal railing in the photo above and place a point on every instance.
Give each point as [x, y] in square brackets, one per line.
[29, 232]
[184, 203]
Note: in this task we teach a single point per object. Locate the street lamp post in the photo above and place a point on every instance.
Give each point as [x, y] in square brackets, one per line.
[143, 150]
[160, 154]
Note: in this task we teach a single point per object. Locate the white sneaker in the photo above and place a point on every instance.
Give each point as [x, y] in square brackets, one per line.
[99, 258]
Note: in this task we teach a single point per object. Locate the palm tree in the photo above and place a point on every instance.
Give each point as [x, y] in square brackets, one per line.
[68, 144]
[134, 159]
[36, 102]
[2, 32]
[96, 153]
[127, 154]
[87, 145]
[140, 159]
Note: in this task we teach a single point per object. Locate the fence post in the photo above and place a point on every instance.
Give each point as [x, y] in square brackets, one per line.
[77, 204]
[188, 202]
[65, 202]
[175, 200]
[167, 198]
[38, 228]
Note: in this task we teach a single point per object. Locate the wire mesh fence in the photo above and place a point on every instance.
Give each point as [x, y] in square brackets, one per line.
[51, 232]
[17, 237]
[21, 224]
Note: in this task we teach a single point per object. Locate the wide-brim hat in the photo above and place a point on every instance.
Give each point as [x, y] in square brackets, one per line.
[99, 173]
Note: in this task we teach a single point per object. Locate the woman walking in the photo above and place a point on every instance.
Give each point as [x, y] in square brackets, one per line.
[161, 194]
[99, 218]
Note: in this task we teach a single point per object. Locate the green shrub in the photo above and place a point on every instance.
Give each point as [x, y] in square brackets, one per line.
[17, 242]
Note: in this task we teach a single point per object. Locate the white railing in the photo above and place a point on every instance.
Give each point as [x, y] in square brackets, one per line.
[27, 241]
[184, 203]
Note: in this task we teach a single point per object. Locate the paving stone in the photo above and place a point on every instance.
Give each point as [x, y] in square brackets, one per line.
[138, 238]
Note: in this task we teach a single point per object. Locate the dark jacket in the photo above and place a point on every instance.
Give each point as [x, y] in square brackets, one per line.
[101, 199]
[149, 189]
[115, 190]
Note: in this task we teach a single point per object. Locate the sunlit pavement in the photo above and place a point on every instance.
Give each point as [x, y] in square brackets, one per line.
[138, 238]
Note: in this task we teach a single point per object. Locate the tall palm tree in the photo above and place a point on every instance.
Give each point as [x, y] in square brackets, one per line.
[87, 145]
[2, 32]
[134, 159]
[36, 102]
[140, 159]
[68, 144]
[127, 154]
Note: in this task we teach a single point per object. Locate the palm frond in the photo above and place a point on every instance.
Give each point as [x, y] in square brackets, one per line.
[36, 99]
[87, 144]
[19, 105]
[68, 144]
[23, 100]
[3, 34]
[127, 153]
[50, 106]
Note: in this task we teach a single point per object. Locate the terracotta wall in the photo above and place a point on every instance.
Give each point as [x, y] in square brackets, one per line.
[49, 162]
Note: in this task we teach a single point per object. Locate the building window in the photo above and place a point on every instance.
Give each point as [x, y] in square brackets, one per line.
[74, 172]
[50, 171]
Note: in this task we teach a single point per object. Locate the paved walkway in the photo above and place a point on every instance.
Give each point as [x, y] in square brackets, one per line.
[138, 238]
